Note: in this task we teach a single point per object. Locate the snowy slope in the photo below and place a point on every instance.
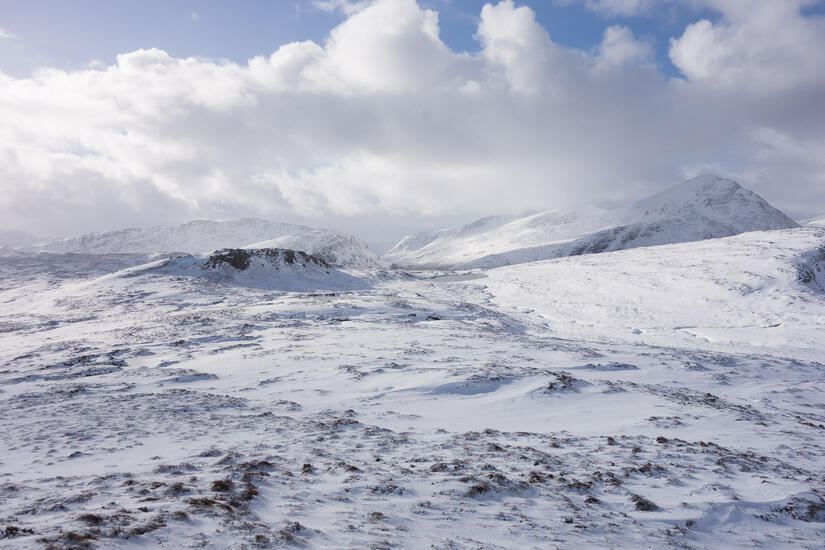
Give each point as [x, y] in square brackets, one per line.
[757, 290]
[202, 236]
[697, 209]
[660, 397]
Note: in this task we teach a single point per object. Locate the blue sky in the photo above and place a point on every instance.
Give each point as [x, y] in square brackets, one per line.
[70, 35]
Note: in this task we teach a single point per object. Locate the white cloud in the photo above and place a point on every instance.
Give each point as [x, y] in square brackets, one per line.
[391, 46]
[7, 35]
[513, 41]
[384, 122]
[619, 47]
[762, 46]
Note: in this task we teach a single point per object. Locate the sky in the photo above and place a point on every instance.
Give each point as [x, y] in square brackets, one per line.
[390, 116]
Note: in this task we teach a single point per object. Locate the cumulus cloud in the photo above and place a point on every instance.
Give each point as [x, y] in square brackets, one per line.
[384, 122]
[7, 35]
[620, 47]
[761, 47]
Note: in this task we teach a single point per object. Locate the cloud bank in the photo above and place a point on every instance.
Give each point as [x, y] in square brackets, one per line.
[384, 120]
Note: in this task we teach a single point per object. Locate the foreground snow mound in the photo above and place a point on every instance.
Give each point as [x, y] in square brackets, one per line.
[203, 236]
[701, 208]
[269, 268]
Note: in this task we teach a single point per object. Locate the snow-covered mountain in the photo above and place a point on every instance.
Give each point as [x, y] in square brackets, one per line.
[203, 236]
[268, 268]
[697, 209]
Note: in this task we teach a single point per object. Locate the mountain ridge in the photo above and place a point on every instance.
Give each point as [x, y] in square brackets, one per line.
[696, 209]
[204, 236]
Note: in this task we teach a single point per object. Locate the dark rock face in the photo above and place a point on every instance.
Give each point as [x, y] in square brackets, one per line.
[239, 258]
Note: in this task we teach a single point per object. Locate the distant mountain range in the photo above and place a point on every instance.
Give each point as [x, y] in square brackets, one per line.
[701, 208]
[204, 236]
[11, 237]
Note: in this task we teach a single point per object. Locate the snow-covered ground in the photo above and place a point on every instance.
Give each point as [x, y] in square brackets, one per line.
[700, 208]
[729, 294]
[669, 396]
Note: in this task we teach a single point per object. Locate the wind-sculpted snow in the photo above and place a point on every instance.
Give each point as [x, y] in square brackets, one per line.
[203, 236]
[701, 208]
[143, 408]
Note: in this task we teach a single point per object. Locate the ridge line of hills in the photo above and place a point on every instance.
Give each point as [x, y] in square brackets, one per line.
[697, 209]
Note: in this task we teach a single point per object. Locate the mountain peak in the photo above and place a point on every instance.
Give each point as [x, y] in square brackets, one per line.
[710, 199]
[706, 181]
[696, 190]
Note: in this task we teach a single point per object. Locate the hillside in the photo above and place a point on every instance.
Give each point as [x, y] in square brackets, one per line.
[203, 236]
[756, 290]
[697, 209]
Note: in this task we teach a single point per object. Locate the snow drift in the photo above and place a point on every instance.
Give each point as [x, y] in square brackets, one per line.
[697, 209]
[204, 236]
